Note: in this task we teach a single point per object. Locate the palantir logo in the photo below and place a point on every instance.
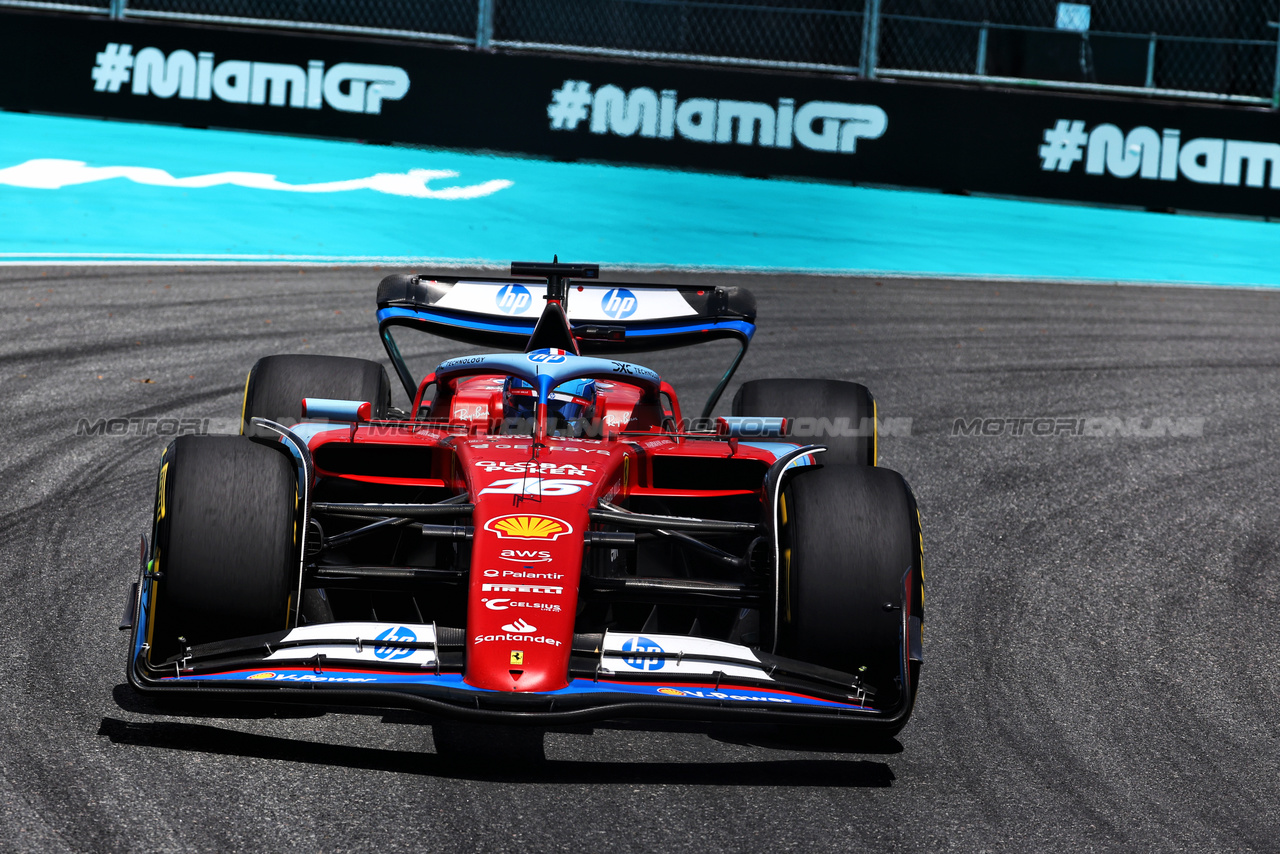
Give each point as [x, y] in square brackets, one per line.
[514, 299]
[348, 86]
[399, 634]
[640, 654]
[618, 303]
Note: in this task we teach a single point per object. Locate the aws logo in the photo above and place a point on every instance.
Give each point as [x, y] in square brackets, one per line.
[525, 555]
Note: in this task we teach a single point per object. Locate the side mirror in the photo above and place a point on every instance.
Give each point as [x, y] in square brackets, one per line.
[353, 411]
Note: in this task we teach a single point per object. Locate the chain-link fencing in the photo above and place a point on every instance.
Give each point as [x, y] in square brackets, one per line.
[817, 34]
[1225, 49]
[1218, 47]
[440, 20]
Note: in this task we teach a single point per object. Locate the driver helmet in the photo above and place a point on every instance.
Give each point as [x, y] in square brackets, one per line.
[571, 406]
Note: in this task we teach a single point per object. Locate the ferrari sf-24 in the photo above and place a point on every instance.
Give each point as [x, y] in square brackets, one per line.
[544, 535]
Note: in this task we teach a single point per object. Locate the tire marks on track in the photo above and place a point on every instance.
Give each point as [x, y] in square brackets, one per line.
[1101, 644]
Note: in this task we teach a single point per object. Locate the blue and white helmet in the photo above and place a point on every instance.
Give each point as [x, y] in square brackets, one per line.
[570, 405]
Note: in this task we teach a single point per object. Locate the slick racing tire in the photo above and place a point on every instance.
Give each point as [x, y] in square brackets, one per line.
[277, 384]
[225, 542]
[835, 413]
[850, 536]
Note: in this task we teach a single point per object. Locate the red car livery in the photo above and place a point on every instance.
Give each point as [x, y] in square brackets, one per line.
[543, 534]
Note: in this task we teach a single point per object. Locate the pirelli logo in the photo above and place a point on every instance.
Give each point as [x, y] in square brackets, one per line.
[522, 588]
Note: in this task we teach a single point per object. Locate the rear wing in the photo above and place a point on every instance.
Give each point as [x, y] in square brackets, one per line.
[606, 318]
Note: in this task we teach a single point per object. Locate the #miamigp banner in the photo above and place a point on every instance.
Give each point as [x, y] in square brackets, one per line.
[1057, 146]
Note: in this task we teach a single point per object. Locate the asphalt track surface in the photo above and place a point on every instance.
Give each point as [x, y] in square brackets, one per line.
[1101, 639]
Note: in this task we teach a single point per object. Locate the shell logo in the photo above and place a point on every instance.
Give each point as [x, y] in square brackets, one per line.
[523, 527]
[671, 692]
[262, 676]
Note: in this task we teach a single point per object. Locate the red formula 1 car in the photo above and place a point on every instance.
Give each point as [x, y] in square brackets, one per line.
[543, 536]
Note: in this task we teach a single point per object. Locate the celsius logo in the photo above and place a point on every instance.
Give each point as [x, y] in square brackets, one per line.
[618, 303]
[514, 299]
[348, 86]
[639, 654]
[816, 125]
[393, 653]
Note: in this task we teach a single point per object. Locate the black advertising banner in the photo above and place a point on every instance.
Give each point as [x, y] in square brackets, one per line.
[1020, 143]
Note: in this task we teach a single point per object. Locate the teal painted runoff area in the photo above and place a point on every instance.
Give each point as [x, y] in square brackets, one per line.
[88, 191]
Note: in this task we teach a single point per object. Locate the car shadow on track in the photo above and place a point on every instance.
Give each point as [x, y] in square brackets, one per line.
[512, 754]
[203, 738]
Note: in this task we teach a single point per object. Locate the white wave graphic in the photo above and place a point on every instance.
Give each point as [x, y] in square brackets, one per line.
[50, 174]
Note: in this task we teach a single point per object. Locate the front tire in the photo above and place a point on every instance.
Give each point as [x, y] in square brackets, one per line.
[225, 543]
[277, 384]
[852, 533]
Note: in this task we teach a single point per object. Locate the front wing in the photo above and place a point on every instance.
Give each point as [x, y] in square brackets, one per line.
[612, 675]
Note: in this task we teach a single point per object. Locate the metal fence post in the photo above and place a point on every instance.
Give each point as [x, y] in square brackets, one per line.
[117, 9]
[1151, 62]
[980, 68]
[870, 38]
[1275, 86]
[484, 23]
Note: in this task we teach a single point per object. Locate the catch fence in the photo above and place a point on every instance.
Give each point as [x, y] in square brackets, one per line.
[1226, 50]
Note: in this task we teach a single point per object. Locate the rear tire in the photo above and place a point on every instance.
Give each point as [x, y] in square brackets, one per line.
[853, 533]
[277, 384]
[225, 542]
[817, 409]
